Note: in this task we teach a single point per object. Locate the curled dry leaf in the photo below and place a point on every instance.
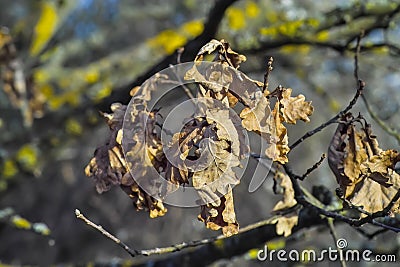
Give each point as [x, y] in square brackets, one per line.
[220, 80]
[279, 146]
[109, 167]
[363, 170]
[269, 124]
[295, 108]
[286, 186]
[225, 54]
[220, 214]
[289, 219]
[285, 224]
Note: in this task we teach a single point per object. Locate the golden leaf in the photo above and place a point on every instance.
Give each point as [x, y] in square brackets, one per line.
[220, 214]
[295, 108]
[258, 118]
[355, 156]
[285, 224]
[278, 148]
[374, 197]
[218, 177]
[288, 193]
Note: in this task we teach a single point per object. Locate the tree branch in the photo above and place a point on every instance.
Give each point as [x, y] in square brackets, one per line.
[210, 249]
[99, 228]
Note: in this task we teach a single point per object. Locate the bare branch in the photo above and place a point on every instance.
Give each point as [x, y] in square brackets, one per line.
[312, 168]
[335, 239]
[267, 73]
[99, 228]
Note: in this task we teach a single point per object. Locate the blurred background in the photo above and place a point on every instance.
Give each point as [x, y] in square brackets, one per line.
[64, 61]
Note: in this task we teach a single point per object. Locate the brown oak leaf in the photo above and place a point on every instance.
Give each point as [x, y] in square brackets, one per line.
[110, 166]
[295, 108]
[220, 214]
[363, 170]
[289, 219]
[285, 224]
[285, 184]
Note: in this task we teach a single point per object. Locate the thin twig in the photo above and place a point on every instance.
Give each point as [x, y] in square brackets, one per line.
[99, 228]
[356, 56]
[385, 226]
[267, 73]
[184, 87]
[354, 207]
[335, 239]
[309, 170]
[190, 244]
[361, 86]
[389, 130]
[313, 167]
[169, 249]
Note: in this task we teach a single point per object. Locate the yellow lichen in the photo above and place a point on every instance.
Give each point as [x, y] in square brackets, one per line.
[45, 27]
[236, 19]
[103, 92]
[252, 10]
[92, 76]
[20, 222]
[46, 90]
[27, 156]
[168, 41]
[277, 244]
[41, 76]
[322, 36]
[301, 49]
[9, 168]
[193, 28]
[73, 127]
[55, 102]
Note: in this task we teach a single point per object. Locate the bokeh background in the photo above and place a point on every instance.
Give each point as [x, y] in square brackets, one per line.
[64, 61]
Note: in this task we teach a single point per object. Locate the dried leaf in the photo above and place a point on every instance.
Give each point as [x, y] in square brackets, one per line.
[225, 53]
[258, 118]
[109, 166]
[355, 155]
[220, 80]
[336, 153]
[288, 193]
[364, 171]
[207, 149]
[220, 214]
[295, 108]
[285, 224]
[279, 146]
[374, 197]
[218, 177]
